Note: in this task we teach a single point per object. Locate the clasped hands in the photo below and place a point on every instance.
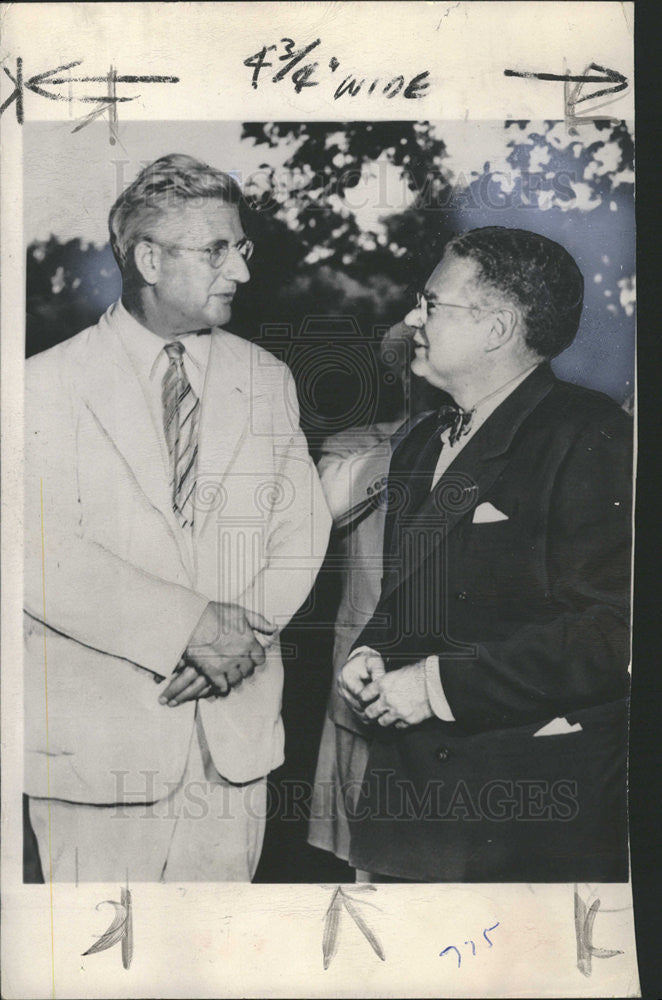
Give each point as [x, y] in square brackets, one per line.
[222, 650]
[395, 698]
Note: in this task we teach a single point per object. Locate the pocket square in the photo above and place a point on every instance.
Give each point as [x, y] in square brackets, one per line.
[485, 513]
[558, 726]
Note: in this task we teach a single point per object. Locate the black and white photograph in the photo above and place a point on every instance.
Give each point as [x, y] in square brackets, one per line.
[327, 471]
[349, 404]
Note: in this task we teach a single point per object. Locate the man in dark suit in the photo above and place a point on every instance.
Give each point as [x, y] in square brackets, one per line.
[494, 671]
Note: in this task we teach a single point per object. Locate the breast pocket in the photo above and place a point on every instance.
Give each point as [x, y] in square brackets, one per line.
[506, 563]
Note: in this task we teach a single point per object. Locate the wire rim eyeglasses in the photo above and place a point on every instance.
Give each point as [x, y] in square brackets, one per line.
[217, 254]
[423, 301]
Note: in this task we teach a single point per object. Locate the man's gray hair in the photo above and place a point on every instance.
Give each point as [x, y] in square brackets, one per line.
[169, 181]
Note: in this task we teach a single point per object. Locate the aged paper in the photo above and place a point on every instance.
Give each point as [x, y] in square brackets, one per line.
[529, 109]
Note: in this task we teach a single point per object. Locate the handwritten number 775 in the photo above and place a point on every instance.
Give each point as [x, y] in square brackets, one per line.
[452, 947]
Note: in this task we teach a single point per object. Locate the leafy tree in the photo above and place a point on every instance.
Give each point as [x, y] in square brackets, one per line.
[316, 263]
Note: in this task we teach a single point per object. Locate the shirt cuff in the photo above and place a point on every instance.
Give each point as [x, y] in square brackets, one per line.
[436, 696]
[362, 650]
[266, 639]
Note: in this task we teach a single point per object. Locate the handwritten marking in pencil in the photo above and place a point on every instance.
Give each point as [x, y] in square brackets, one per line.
[120, 929]
[574, 96]
[48, 773]
[341, 899]
[306, 75]
[584, 921]
[37, 83]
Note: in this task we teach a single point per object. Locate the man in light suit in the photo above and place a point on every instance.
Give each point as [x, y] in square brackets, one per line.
[493, 674]
[174, 523]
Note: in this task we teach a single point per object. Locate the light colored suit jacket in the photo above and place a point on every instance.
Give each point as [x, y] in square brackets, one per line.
[353, 469]
[113, 589]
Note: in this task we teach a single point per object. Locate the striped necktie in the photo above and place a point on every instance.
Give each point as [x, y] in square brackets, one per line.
[181, 409]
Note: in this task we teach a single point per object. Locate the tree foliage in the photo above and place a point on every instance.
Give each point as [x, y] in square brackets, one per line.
[317, 257]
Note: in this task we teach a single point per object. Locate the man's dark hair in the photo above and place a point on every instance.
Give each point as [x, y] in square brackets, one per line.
[538, 274]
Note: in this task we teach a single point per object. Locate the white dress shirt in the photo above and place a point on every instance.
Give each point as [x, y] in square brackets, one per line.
[147, 354]
[146, 351]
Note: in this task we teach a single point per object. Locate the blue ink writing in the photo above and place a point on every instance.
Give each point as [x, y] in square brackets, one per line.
[452, 947]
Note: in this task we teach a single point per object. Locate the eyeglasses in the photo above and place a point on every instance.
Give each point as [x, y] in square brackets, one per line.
[424, 301]
[217, 253]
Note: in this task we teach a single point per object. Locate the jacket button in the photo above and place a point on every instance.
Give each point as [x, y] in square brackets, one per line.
[370, 491]
[442, 754]
[462, 596]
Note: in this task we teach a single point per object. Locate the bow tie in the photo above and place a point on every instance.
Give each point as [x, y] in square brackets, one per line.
[453, 417]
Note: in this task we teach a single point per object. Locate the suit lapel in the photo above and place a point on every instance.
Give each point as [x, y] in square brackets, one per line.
[471, 475]
[406, 445]
[115, 397]
[224, 422]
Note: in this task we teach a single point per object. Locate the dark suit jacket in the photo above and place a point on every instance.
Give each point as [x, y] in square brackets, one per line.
[529, 616]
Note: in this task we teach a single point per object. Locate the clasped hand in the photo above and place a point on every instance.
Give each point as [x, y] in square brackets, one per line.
[397, 697]
[222, 651]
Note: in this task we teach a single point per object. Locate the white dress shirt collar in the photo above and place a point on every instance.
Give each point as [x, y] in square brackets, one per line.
[147, 355]
[486, 406]
[483, 409]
